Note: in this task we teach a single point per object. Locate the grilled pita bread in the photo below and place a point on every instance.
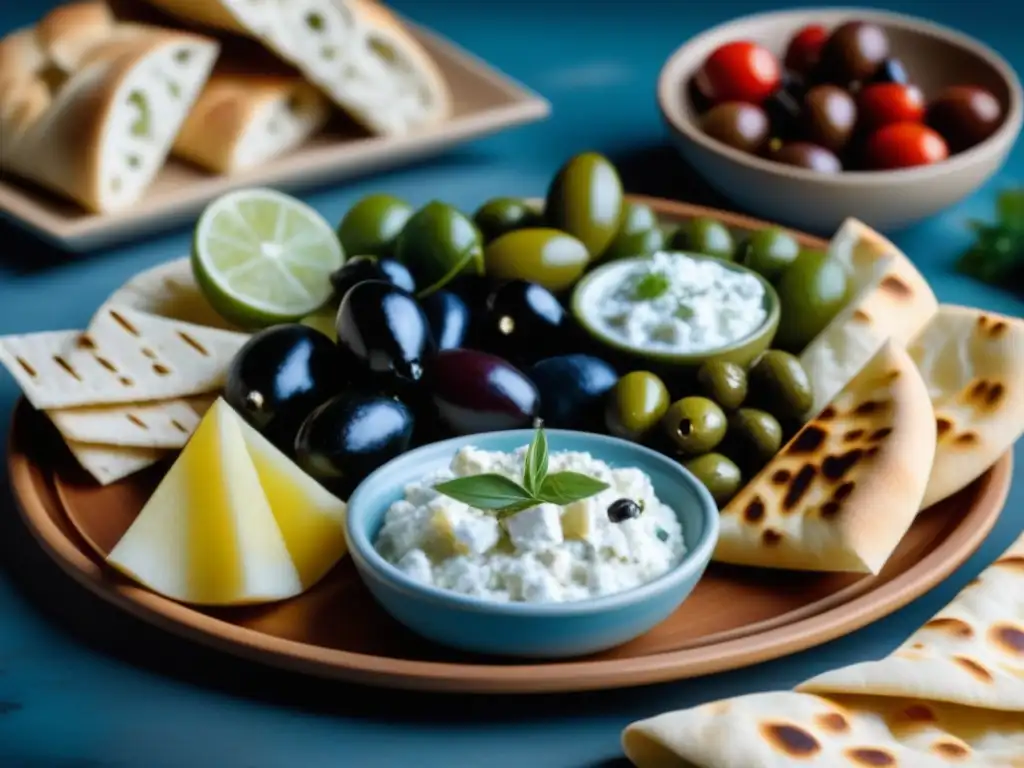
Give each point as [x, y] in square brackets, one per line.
[107, 463]
[355, 51]
[973, 364]
[971, 652]
[951, 695]
[890, 300]
[244, 120]
[841, 494]
[89, 106]
[125, 356]
[159, 424]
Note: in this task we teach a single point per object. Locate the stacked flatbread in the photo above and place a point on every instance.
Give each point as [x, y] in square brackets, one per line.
[90, 106]
[355, 51]
[951, 695]
[913, 401]
[130, 388]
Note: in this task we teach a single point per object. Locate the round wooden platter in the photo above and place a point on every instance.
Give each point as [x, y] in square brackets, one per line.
[734, 618]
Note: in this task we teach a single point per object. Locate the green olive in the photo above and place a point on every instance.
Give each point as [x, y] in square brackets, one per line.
[718, 474]
[637, 217]
[372, 226]
[778, 383]
[769, 252]
[544, 256]
[694, 425]
[723, 382]
[811, 291]
[628, 244]
[705, 235]
[505, 214]
[754, 438]
[438, 244]
[585, 200]
[636, 405]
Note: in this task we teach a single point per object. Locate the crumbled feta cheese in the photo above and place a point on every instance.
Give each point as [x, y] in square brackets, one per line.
[545, 553]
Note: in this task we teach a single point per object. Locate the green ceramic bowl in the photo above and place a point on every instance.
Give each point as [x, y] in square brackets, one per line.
[742, 351]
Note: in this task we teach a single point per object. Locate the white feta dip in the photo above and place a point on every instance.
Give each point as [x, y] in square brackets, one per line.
[672, 302]
[547, 553]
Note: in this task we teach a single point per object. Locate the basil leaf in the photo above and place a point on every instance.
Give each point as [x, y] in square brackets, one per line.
[515, 509]
[1010, 208]
[651, 286]
[566, 487]
[536, 464]
[487, 492]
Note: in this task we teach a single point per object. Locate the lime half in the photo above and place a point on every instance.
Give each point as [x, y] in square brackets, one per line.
[262, 257]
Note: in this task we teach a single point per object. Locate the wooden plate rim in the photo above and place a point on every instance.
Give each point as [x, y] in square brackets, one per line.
[853, 607]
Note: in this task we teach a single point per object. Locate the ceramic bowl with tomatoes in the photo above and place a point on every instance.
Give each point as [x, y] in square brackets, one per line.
[809, 117]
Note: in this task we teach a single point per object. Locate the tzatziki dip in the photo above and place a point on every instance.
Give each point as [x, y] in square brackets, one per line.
[675, 303]
[543, 554]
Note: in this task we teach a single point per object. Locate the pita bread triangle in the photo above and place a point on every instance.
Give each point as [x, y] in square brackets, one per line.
[843, 492]
[890, 300]
[973, 364]
[951, 695]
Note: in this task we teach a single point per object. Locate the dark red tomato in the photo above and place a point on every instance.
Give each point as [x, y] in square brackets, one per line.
[904, 145]
[740, 71]
[804, 49]
[887, 103]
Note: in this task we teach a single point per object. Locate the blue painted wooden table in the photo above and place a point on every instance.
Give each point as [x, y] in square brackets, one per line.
[81, 685]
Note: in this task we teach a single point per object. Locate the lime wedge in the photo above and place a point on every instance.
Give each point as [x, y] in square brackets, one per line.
[262, 257]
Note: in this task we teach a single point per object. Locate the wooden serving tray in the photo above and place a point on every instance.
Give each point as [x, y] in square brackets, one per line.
[484, 100]
[734, 618]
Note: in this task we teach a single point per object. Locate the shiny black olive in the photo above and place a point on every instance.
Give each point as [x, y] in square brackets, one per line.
[891, 71]
[476, 392]
[524, 322]
[384, 336]
[279, 376]
[624, 509]
[784, 110]
[572, 390]
[472, 289]
[449, 318]
[350, 436]
[360, 268]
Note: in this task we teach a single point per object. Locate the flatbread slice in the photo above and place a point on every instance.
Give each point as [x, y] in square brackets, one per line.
[889, 300]
[89, 106]
[170, 290]
[785, 730]
[107, 464]
[160, 424]
[841, 494]
[244, 120]
[356, 51]
[973, 364]
[971, 652]
[125, 356]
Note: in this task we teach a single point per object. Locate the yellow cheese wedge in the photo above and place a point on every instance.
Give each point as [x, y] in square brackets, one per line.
[207, 535]
[312, 520]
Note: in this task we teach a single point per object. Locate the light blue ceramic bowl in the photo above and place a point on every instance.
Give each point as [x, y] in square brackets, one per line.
[551, 630]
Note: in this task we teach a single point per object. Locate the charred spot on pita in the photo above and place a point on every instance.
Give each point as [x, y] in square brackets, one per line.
[754, 511]
[833, 722]
[808, 440]
[995, 394]
[1008, 638]
[918, 713]
[974, 668]
[880, 434]
[843, 491]
[895, 286]
[869, 407]
[1014, 562]
[84, 341]
[834, 467]
[998, 329]
[853, 435]
[828, 413]
[950, 626]
[943, 425]
[829, 509]
[799, 486]
[771, 537]
[861, 316]
[869, 756]
[790, 739]
[950, 749]
[966, 438]
[781, 476]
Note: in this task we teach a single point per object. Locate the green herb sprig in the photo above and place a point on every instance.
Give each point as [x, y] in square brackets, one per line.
[505, 497]
[997, 257]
